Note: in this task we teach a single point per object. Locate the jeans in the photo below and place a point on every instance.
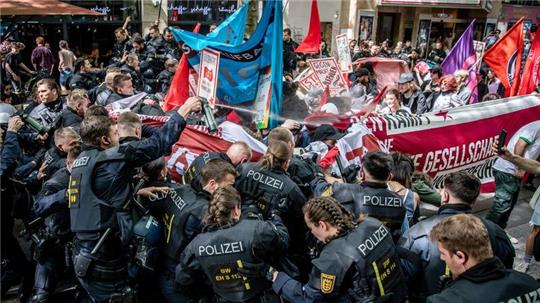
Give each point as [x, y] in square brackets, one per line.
[506, 194]
[63, 76]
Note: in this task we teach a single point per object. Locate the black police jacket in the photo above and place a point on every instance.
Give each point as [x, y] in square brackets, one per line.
[85, 81]
[420, 257]
[302, 172]
[193, 174]
[489, 281]
[372, 198]
[136, 77]
[264, 191]
[164, 78]
[181, 210]
[46, 113]
[358, 265]
[68, 118]
[222, 252]
[55, 159]
[102, 179]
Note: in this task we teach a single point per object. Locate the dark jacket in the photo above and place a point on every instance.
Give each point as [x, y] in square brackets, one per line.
[489, 281]
[68, 118]
[420, 258]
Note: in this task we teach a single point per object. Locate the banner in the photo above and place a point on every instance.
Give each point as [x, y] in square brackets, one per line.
[208, 71]
[329, 74]
[241, 65]
[531, 71]
[458, 140]
[387, 70]
[344, 53]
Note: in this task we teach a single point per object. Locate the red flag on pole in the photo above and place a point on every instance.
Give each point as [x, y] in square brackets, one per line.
[325, 96]
[312, 42]
[179, 89]
[504, 58]
[531, 71]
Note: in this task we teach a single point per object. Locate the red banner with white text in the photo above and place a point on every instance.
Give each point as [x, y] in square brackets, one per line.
[460, 139]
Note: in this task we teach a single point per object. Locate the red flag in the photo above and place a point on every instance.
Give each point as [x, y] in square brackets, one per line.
[504, 58]
[179, 89]
[312, 42]
[325, 96]
[531, 71]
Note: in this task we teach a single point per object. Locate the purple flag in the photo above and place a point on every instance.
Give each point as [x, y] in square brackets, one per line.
[463, 56]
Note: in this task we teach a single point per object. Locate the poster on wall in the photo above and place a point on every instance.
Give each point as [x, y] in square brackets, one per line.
[365, 24]
[422, 38]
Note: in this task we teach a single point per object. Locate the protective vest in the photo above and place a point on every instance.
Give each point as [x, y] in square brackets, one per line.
[222, 252]
[365, 255]
[184, 210]
[263, 189]
[381, 203]
[90, 214]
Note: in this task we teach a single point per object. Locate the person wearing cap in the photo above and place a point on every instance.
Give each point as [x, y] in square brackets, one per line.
[362, 77]
[326, 134]
[409, 93]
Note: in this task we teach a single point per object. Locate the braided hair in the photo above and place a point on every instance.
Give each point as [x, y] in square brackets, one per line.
[329, 210]
[223, 202]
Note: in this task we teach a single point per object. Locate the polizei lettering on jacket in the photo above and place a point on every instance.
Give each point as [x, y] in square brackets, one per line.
[383, 201]
[532, 297]
[265, 179]
[221, 249]
[370, 243]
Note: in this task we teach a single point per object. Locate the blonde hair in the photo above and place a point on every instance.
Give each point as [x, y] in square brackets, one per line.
[224, 200]
[465, 233]
[65, 133]
[276, 155]
[76, 97]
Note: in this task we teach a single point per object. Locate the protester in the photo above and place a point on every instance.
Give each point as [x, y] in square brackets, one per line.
[65, 63]
[42, 58]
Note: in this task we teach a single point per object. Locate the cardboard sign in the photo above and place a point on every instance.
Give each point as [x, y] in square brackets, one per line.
[208, 73]
[309, 81]
[479, 47]
[329, 74]
[344, 55]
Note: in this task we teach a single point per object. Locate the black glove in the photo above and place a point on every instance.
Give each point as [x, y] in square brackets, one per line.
[253, 270]
[350, 172]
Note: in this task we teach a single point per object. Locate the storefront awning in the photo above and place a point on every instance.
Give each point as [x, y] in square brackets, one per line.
[474, 4]
[41, 8]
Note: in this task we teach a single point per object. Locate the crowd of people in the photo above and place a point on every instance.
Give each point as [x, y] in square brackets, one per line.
[99, 208]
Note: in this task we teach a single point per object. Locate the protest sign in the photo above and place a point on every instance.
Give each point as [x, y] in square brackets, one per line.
[263, 99]
[459, 139]
[344, 54]
[309, 81]
[208, 71]
[329, 74]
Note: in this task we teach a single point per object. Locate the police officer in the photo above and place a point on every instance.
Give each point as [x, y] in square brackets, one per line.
[356, 264]
[51, 104]
[264, 187]
[55, 157]
[171, 46]
[122, 45]
[301, 171]
[132, 67]
[372, 196]
[420, 257]
[83, 77]
[477, 276]
[52, 237]
[181, 211]
[226, 245]
[239, 152]
[72, 115]
[98, 191]
[155, 40]
[165, 76]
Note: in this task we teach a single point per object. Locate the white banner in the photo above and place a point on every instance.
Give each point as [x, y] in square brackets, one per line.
[344, 54]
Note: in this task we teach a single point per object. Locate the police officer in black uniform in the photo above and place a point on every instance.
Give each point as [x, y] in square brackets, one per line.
[226, 245]
[420, 258]
[83, 77]
[301, 170]
[238, 153]
[122, 45]
[52, 236]
[181, 211]
[356, 264]
[372, 196]
[265, 186]
[476, 275]
[98, 191]
[171, 46]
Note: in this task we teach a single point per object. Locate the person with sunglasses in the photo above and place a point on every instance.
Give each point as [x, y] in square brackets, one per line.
[476, 275]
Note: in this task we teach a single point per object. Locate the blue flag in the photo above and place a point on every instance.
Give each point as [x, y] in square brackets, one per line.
[241, 65]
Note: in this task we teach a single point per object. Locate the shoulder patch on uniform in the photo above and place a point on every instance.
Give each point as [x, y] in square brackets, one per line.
[328, 192]
[327, 283]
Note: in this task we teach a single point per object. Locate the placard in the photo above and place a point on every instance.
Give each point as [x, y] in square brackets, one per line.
[208, 73]
[344, 53]
[327, 70]
[263, 99]
[309, 81]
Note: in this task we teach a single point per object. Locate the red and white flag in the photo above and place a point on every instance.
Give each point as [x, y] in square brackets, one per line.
[196, 140]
